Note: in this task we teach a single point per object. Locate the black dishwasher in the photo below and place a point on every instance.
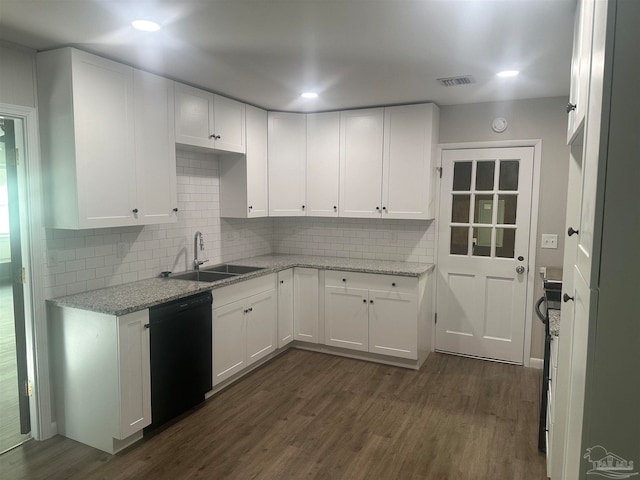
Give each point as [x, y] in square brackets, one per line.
[180, 350]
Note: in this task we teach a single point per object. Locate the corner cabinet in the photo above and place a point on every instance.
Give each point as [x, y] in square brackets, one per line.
[244, 325]
[243, 179]
[209, 121]
[101, 376]
[106, 134]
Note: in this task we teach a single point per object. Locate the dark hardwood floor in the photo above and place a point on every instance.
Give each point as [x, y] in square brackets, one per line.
[309, 415]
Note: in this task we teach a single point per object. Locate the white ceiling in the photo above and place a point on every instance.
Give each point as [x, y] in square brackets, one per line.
[353, 52]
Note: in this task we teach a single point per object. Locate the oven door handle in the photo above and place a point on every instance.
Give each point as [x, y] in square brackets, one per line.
[541, 316]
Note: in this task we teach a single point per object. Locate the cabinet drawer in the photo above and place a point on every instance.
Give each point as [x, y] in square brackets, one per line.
[238, 291]
[371, 281]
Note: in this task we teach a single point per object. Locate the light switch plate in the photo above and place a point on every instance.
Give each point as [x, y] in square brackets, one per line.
[549, 240]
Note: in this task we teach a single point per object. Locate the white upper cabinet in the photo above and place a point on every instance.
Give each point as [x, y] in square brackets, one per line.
[323, 164]
[287, 164]
[243, 179]
[580, 68]
[361, 140]
[408, 175]
[155, 148]
[209, 121]
[87, 108]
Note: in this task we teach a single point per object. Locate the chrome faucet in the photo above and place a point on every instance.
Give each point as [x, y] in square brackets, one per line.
[196, 262]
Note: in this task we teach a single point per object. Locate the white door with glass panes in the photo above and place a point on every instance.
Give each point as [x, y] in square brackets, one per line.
[483, 245]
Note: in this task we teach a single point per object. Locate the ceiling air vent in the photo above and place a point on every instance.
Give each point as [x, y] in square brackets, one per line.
[455, 81]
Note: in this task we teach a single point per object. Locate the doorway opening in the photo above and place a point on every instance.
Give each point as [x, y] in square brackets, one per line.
[15, 389]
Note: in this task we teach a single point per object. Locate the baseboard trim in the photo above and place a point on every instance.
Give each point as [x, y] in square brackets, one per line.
[536, 363]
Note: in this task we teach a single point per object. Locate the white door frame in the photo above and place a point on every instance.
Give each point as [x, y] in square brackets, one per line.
[34, 247]
[533, 232]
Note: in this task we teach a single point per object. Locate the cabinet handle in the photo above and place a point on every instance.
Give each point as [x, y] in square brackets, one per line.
[393, 284]
[571, 107]
[135, 210]
[214, 136]
[571, 231]
[175, 209]
[566, 298]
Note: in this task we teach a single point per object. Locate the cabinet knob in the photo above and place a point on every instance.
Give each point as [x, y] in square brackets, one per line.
[135, 210]
[571, 231]
[147, 326]
[364, 300]
[378, 208]
[335, 208]
[344, 279]
[393, 284]
[571, 107]
[566, 298]
[214, 136]
[250, 309]
[303, 207]
[370, 301]
[384, 208]
[175, 209]
[281, 282]
[250, 207]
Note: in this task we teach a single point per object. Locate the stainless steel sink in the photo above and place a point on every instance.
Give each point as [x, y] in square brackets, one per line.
[232, 269]
[203, 276]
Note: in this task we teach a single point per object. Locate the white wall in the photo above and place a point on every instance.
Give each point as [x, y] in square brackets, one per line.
[544, 119]
[17, 82]
[80, 260]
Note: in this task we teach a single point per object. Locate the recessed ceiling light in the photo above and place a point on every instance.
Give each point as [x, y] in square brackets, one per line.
[508, 73]
[309, 95]
[145, 25]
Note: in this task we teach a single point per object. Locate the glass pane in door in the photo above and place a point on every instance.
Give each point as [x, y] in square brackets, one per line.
[483, 212]
[505, 242]
[462, 176]
[484, 175]
[482, 241]
[509, 175]
[460, 208]
[459, 241]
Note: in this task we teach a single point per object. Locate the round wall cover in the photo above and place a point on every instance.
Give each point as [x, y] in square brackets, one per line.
[499, 124]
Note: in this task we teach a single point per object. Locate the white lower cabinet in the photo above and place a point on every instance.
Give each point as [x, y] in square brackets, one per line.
[101, 375]
[244, 325]
[285, 307]
[372, 313]
[305, 304]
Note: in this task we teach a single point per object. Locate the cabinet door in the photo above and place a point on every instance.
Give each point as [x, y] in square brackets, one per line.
[285, 307]
[134, 371]
[323, 164]
[393, 324]
[580, 67]
[346, 317]
[361, 137]
[287, 152]
[305, 304]
[229, 340]
[409, 138]
[157, 199]
[229, 124]
[261, 325]
[585, 301]
[257, 196]
[103, 110]
[194, 116]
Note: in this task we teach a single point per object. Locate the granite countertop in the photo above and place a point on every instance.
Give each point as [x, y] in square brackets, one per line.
[130, 297]
[554, 322]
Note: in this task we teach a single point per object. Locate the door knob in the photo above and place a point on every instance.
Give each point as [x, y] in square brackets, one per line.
[519, 269]
[571, 231]
[566, 298]
[571, 107]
